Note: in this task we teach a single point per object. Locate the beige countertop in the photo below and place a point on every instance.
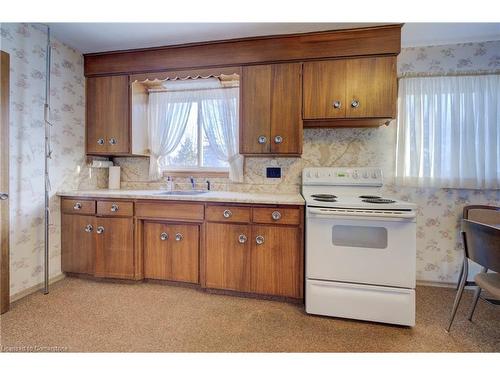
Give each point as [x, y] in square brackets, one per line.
[211, 196]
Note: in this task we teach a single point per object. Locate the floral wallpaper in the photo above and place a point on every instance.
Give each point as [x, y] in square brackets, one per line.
[439, 252]
[448, 59]
[26, 45]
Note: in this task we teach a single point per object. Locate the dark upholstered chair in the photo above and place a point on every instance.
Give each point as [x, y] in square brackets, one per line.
[481, 245]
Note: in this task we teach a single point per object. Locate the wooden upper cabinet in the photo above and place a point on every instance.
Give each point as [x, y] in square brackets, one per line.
[108, 109]
[324, 89]
[372, 87]
[361, 88]
[270, 116]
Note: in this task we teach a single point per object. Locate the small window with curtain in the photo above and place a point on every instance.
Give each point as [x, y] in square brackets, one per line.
[449, 132]
[193, 126]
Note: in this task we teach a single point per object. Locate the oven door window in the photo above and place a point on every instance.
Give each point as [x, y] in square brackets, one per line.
[359, 236]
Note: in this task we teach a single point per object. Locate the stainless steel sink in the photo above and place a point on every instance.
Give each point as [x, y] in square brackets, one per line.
[183, 192]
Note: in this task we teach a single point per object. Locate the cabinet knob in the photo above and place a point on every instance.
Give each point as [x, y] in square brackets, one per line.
[100, 141]
[114, 207]
[337, 104]
[262, 139]
[278, 139]
[259, 240]
[276, 215]
[112, 141]
[100, 229]
[355, 103]
[89, 228]
[242, 238]
[179, 237]
[163, 236]
[77, 206]
[227, 214]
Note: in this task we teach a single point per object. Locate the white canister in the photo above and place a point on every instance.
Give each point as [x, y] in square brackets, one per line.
[114, 178]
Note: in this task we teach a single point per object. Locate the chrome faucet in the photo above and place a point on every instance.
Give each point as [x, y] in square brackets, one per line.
[193, 184]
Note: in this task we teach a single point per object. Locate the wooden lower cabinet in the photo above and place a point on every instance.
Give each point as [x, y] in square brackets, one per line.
[273, 267]
[78, 243]
[227, 253]
[276, 263]
[114, 247]
[171, 251]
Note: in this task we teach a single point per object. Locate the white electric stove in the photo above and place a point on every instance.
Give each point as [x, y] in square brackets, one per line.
[360, 247]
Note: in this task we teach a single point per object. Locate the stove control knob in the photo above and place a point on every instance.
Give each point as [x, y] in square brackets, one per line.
[365, 175]
[355, 174]
[374, 175]
[317, 174]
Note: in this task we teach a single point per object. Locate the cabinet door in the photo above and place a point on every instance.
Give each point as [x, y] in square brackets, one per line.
[371, 87]
[324, 87]
[255, 109]
[115, 248]
[276, 261]
[286, 113]
[78, 243]
[171, 252]
[227, 248]
[108, 115]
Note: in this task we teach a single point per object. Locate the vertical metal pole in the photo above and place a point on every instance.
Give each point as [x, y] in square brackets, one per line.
[47, 157]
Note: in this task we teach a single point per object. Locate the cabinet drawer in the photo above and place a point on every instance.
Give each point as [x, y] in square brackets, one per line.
[75, 206]
[229, 214]
[111, 208]
[170, 210]
[290, 216]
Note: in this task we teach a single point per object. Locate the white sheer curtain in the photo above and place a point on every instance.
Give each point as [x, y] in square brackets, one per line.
[168, 113]
[449, 132]
[219, 117]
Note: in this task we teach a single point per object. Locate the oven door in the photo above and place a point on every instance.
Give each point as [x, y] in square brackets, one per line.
[354, 247]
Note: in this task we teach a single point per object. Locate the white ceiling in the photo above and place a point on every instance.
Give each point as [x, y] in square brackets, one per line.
[99, 37]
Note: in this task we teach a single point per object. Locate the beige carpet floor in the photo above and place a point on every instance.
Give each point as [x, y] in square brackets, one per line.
[91, 316]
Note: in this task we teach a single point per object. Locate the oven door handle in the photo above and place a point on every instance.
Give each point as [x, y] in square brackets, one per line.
[331, 213]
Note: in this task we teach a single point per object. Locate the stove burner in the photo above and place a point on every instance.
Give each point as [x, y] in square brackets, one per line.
[369, 197]
[325, 199]
[378, 200]
[324, 196]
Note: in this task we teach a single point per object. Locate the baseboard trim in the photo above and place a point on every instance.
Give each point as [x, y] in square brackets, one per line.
[439, 284]
[35, 288]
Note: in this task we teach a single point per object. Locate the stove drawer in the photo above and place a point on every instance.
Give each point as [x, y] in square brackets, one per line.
[363, 302]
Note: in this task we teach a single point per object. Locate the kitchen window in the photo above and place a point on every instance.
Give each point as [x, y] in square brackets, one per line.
[449, 132]
[193, 127]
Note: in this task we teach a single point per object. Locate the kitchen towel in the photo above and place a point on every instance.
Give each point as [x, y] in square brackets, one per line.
[114, 178]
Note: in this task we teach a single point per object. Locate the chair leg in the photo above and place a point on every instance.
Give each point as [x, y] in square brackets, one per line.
[477, 293]
[460, 276]
[460, 291]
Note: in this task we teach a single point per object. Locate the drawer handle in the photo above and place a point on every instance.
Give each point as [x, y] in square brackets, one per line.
[112, 141]
[179, 237]
[164, 236]
[262, 139]
[259, 240]
[100, 141]
[114, 207]
[276, 215]
[100, 229]
[337, 104]
[89, 228]
[242, 238]
[227, 214]
[355, 103]
[278, 139]
[77, 206]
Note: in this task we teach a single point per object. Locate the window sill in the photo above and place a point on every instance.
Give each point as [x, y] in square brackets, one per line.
[196, 173]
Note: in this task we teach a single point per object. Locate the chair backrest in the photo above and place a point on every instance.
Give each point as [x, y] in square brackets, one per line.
[482, 244]
[482, 214]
